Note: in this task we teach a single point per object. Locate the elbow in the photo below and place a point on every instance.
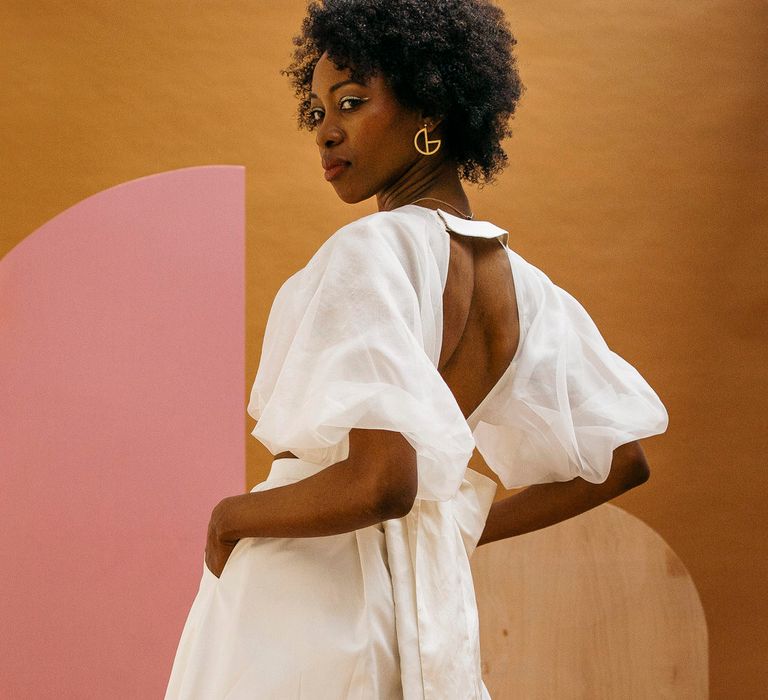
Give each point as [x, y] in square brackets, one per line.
[395, 496]
[390, 511]
[641, 472]
[630, 465]
[390, 465]
[396, 503]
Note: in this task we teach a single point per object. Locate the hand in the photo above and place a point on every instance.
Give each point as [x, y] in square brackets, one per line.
[217, 550]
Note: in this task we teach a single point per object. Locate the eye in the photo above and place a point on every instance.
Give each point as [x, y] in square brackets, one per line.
[346, 104]
[351, 101]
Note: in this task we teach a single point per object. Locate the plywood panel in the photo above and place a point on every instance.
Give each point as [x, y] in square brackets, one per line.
[595, 607]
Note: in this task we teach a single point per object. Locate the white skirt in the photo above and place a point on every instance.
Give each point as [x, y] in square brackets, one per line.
[315, 618]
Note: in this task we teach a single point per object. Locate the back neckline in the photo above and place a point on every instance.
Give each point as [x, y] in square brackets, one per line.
[465, 227]
[478, 229]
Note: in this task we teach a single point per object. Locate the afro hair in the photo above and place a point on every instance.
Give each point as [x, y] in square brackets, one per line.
[450, 58]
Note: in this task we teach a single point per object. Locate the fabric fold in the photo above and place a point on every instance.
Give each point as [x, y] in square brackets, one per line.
[567, 400]
[435, 607]
[351, 342]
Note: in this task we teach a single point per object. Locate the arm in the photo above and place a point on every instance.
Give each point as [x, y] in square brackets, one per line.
[541, 505]
[376, 482]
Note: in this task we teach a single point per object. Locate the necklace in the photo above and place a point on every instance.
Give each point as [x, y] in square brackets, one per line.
[466, 216]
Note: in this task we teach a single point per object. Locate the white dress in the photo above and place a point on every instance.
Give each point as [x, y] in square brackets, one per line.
[353, 339]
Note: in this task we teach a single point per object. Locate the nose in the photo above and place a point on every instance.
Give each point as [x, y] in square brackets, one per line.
[328, 134]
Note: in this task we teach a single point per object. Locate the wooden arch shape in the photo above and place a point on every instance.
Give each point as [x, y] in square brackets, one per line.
[598, 606]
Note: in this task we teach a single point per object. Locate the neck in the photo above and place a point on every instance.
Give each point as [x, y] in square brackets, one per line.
[423, 179]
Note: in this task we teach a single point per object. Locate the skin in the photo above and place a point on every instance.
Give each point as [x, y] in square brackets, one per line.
[366, 125]
[376, 136]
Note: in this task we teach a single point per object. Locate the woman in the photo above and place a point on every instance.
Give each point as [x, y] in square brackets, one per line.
[411, 336]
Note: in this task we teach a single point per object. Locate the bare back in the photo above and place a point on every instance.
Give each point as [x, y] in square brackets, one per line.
[480, 322]
[481, 328]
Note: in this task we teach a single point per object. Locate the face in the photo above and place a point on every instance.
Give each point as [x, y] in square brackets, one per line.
[365, 136]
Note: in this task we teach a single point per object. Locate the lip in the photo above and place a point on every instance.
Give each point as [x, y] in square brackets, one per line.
[334, 167]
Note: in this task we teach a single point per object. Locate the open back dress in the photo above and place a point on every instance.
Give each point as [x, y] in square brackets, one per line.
[388, 612]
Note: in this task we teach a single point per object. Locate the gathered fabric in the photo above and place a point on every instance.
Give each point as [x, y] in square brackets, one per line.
[353, 341]
[386, 612]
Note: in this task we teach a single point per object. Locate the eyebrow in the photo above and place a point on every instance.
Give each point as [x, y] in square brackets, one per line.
[336, 86]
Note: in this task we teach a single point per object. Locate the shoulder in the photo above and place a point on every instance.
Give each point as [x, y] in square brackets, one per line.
[383, 238]
[393, 228]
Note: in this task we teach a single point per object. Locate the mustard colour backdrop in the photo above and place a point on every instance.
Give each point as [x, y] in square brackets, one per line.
[637, 181]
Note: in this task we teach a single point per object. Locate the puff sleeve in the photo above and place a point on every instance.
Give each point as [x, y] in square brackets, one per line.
[567, 400]
[349, 343]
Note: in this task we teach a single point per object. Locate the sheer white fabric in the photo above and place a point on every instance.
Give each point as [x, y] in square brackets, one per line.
[354, 337]
[352, 341]
[567, 400]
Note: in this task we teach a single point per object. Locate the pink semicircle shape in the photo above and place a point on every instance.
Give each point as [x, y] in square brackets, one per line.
[121, 426]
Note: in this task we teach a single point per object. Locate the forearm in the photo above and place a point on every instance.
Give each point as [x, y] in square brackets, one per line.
[542, 505]
[329, 502]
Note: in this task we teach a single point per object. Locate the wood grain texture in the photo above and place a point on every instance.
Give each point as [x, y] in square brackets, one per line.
[595, 607]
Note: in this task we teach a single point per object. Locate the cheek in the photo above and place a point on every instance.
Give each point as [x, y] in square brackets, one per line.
[387, 131]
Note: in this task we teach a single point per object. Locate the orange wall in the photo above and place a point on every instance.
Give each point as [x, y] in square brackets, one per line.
[637, 182]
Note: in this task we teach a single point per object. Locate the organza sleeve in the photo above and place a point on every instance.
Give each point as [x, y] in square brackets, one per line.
[344, 348]
[567, 400]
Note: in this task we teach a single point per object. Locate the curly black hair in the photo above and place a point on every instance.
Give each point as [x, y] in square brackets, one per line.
[450, 58]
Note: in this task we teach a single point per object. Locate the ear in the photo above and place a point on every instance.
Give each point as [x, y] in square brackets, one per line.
[431, 120]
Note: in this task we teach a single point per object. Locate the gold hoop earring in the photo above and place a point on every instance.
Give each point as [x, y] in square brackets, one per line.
[426, 151]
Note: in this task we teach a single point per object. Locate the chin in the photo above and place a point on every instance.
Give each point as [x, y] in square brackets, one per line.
[349, 197]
